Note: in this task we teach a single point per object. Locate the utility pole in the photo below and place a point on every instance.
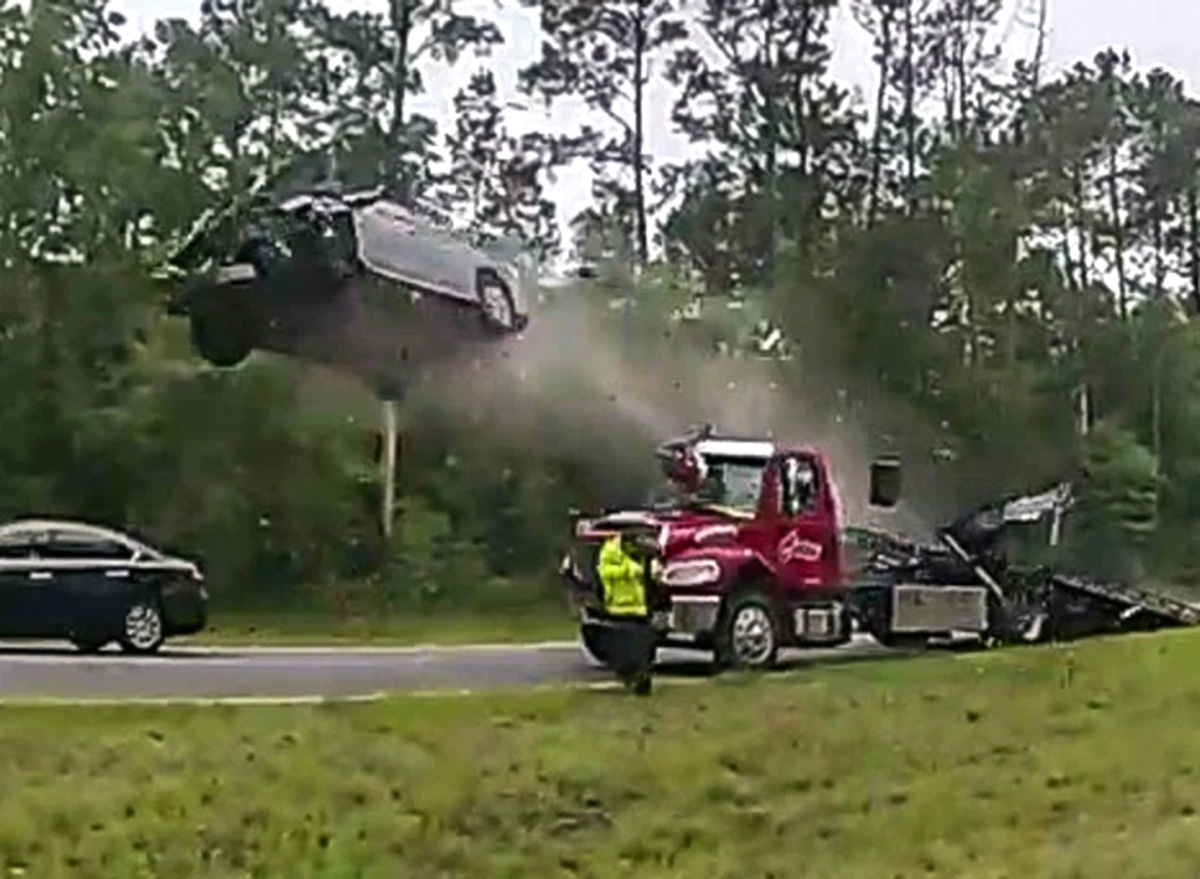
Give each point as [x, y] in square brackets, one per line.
[388, 467]
[390, 391]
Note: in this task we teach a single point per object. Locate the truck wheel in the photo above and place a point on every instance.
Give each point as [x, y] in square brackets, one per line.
[748, 637]
[904, 641]
[221, 338]
[593, 642]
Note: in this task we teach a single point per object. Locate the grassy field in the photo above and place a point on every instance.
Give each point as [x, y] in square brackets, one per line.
[273, 628]
[1043, 762]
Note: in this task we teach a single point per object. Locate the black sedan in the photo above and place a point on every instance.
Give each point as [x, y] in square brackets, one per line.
[92, 585]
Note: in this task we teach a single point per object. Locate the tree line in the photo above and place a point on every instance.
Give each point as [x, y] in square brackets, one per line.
[993, 269]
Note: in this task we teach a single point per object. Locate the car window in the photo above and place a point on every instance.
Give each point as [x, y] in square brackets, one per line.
[799, 484]
[78, 544]
[19, 543]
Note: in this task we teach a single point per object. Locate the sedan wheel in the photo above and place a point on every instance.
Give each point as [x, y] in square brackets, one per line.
[88, 645]
[142, 631]
[498, 309]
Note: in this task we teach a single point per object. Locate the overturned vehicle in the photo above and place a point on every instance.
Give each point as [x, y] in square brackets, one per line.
[753, 558]
[351, 278]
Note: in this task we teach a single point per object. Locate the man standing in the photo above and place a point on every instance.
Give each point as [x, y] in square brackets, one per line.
[624, 569]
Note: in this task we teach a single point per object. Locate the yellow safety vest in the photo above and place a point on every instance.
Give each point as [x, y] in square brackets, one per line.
[623, 579]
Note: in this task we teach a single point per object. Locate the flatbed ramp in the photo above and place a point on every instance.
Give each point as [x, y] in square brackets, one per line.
[1167, 609]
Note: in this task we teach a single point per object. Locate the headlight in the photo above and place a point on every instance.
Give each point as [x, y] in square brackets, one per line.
[696, 572]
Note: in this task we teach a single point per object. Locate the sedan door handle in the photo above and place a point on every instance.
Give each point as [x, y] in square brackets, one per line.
[40, 575]
[115, 574]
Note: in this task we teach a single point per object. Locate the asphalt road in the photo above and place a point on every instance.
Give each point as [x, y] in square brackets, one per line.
[52, 671]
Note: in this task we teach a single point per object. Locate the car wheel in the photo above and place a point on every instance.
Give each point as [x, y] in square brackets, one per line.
[89, 645]
[749, 634]
[142, 627]
[496, 305]
[221, 338]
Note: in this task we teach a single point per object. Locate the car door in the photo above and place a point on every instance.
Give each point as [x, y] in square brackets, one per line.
[804, 533]
[452, 263]
[18, 564]
[29, 586]
[93, 577]
[389, 244]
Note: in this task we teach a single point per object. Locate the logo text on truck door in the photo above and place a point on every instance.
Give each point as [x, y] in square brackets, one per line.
[793, 547]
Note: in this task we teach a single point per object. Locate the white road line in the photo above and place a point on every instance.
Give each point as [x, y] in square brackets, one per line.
[397, 650]
[61, 701]
[188, 648]
[314, 699]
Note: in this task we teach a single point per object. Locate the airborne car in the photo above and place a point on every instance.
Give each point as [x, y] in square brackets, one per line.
[347, 277]
[92, 585]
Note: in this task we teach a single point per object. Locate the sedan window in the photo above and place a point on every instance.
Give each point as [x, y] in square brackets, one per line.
[14, 550]
[20, 544]
[85, 545]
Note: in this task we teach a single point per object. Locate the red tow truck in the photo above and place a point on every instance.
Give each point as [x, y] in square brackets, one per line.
[753, 557]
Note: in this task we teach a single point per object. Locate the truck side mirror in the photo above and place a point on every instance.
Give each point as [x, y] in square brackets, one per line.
[885, 482]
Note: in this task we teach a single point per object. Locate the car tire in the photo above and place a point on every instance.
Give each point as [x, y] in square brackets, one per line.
[221, 337]
[89, 645]
[142, 630]
[497, 308]
[748, 633]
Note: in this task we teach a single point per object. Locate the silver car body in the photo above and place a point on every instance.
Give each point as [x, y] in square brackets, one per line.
[349, 279]
[400, 245]
[391, 241]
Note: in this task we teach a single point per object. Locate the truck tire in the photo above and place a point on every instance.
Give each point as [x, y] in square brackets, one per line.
[748, 633]
[592, 638]
[901, 641]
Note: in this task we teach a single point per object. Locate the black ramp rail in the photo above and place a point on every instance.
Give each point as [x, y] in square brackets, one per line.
[1134, 599]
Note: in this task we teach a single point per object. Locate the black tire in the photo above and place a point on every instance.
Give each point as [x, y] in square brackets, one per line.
[222, 338]
[142, 629]
[901, 641]
[89, 645]
[748, 633]
[592, 638]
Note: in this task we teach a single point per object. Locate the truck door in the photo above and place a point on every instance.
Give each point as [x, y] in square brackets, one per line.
[806, 538]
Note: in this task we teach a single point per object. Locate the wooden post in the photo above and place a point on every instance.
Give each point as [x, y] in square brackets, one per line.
[388, 467]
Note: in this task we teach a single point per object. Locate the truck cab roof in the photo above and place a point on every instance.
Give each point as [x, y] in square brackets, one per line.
[730, 447]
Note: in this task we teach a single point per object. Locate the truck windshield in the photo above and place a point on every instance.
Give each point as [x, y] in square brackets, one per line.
[732, 482]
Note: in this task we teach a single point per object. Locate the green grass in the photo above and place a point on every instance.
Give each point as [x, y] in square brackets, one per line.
[1041, 762]
[470, 626]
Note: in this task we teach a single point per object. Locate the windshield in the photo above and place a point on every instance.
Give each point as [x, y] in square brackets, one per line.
[732, 483]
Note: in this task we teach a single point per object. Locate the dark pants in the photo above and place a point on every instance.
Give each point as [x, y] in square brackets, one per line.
[631, 648]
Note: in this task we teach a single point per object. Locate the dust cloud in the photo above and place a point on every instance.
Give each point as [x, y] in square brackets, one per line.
[572, 385]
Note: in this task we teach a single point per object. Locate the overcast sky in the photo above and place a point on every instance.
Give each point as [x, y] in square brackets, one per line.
[1157, 33]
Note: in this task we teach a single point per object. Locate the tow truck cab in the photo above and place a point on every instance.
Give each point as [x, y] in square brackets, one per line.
[750, 549]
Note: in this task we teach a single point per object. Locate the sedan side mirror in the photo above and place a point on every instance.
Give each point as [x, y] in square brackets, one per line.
[885, 482]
